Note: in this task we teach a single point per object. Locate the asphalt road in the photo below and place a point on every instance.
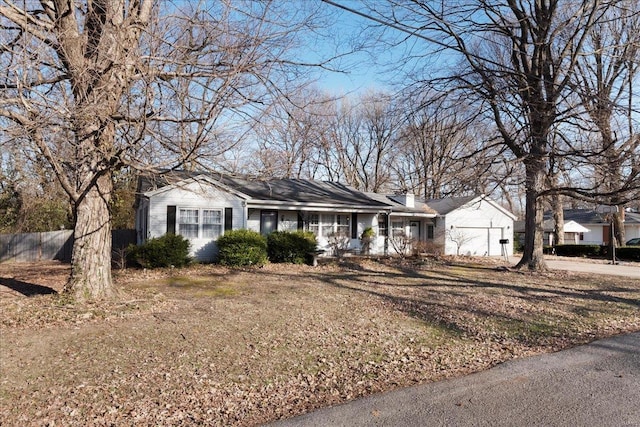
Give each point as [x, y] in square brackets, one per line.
[592, 385]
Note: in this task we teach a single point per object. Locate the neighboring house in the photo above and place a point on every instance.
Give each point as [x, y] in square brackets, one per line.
[201, 207]
[573, 232]
[587, 227]
[599, 225]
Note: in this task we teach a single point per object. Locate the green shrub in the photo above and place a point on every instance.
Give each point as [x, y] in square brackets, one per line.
[578, 250]
[295, 247]
[166, 251]
[242, 247]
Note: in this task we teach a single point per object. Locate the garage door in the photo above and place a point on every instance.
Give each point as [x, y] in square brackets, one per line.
[479, 241]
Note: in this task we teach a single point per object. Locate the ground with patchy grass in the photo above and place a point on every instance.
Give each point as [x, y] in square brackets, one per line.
[242, 347]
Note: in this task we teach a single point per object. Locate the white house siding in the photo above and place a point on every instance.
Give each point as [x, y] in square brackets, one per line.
[195, 195]
[478, 228]
[595, 235]
[631, 231]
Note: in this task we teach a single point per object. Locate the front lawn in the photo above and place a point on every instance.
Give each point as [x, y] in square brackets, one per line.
[221, 346]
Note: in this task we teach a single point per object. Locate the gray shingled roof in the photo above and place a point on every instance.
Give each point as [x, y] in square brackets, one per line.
[444, 206]
[300, 190]
[284, 190]
[588, 216]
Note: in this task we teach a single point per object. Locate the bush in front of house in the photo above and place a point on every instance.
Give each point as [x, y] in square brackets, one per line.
[170, 250]
[296, 247]
[242, 247]
[578, 250]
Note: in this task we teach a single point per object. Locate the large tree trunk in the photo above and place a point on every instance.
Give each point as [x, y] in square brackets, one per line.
[91, 257]
[533, 256]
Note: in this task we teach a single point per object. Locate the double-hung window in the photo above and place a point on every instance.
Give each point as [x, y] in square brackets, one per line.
[342, 225]
[211, 223]
[397, 228]
[325, 225]
[200, 223]
[382, 224]
[314, 223]
[188, 223]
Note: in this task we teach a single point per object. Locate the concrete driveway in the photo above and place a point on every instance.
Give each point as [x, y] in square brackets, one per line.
[580, 265]
[592, 385]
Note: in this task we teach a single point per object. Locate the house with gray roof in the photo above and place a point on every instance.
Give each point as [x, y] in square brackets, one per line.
[598, 225]
[202, 206]
[586, 226]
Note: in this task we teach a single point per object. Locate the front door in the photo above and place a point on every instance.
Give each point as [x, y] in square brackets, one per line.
[414, 230]
[268, 222]
[606, 234]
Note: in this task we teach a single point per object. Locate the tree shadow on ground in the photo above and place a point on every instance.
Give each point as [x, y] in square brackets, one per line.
[424, 297]
[25, 288]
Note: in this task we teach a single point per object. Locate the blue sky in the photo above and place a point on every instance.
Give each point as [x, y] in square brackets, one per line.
[360, 70]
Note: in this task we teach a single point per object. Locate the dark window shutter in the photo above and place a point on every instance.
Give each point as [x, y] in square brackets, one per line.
[300, 221]
[171, 220]
[228, 219]
[354, 225]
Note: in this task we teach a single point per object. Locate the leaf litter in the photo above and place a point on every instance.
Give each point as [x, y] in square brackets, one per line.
[219, 346]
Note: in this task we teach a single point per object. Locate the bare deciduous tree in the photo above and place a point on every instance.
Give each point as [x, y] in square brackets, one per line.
[515, 61]
[434, 153]
[356, 146]
[604, 81]
[94, 86]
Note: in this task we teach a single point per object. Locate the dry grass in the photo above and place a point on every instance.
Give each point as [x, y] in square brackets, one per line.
[243, 347]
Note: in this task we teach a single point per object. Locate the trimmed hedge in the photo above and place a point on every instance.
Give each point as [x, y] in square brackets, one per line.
[629, 253]
[242, 247]
[295, 247]
[578, 250]
[165, 251]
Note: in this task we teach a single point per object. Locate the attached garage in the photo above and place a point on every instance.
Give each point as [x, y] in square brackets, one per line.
[480, 241]
[473, 226]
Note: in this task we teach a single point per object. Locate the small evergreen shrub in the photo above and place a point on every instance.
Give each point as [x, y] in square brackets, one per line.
[296, 247]
[165, 251]
[242, 247]
[367, 239]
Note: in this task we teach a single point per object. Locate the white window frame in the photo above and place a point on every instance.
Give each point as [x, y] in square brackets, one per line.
[398, 231]
[201, 226]
[185, 225]
[324, 224]
[216, 227]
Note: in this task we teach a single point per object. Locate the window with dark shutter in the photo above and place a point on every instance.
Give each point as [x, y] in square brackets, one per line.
[228, 219]
[171, 220]
[354, 225]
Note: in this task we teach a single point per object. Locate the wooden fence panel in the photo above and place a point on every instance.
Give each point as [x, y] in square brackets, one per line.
[51, 245]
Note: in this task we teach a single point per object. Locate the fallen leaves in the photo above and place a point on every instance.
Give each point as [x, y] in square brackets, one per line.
[218, 346]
